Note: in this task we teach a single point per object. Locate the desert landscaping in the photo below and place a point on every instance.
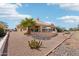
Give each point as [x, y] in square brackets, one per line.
[53, 41]
[39, 29]
[18, 44]
[68, 48]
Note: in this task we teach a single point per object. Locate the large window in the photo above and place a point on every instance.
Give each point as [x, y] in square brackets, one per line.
[47, 29]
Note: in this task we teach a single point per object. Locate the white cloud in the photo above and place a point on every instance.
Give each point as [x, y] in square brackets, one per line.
[19, 4]
[47, 17]
[67, 6]
[48, 22]
[70, 6]
[9, 11]
[50, 4]
[71, 19]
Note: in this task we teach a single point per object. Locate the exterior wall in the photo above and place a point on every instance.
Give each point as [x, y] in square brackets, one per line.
[35, 29]
[19, 29]
[38, 29]
[42, 29]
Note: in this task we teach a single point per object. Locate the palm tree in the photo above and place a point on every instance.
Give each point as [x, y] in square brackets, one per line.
[27, 22]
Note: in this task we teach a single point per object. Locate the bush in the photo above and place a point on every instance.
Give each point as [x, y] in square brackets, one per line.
[25, 33]
[59, 29]
[2, 33]
[34, 44]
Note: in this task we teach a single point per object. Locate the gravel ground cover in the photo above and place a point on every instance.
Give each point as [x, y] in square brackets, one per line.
[69, 47]
[18, 45]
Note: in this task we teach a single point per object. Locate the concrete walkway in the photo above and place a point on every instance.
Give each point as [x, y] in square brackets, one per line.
[18, 45]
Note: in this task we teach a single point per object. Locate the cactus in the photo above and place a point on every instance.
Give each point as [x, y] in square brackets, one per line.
[34, 44]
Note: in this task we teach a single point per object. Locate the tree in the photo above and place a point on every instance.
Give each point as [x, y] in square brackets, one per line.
[3, 24]
[2, 32]
[59, 29]
[78, 27]
[27, 22]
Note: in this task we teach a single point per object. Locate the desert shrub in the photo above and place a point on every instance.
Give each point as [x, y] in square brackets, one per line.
[2, 32]
[34, 44]
[25, 33]
[67, 32]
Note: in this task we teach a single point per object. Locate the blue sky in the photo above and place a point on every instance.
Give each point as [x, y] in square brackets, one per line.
[63, 15]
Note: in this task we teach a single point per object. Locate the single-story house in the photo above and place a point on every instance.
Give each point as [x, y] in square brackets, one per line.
[39, 27]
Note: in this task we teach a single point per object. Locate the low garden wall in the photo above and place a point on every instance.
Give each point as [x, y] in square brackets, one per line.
[2, 43]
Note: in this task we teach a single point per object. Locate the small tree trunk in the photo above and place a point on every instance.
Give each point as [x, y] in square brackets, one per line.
[29, 31]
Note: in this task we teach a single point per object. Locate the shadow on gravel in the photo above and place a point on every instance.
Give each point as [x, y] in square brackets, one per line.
[42, 37]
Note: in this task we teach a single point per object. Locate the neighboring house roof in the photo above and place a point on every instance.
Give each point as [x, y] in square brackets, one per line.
[1, 26]
[38, 22]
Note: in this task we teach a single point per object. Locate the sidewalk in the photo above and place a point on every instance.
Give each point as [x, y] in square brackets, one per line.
[18, 45]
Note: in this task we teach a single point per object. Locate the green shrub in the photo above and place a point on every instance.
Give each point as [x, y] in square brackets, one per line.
[2, 33]
[59, 29]
[34, 44]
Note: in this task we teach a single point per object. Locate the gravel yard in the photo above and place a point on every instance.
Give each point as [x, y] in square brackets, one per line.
[18, 45]
[68, 48]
